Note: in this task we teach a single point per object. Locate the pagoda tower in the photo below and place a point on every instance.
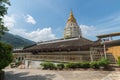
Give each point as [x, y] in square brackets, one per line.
[72, 29]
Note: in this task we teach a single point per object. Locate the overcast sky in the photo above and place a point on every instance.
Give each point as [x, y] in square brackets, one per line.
[40, 20]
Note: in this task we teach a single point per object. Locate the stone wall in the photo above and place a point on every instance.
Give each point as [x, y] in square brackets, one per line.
[73, 56]
[33, 61]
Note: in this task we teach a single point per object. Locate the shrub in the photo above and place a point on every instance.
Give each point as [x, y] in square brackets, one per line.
[85, 65]
[48, 65]
[72, 65]
[69, 65]
[60, 66]
[118, 62]
[66, 66]
[94, 65]
[104, 62]
[78, 65]
[6, 56]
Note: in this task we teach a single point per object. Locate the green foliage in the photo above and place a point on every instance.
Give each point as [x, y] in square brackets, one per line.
[118, 61]
[104, 62]
[85, 65]
[94, 65]
[77, 65]
[2, 29]
[48, 65]
[60, 66]
[6, 56]
[70, 65]
[5, 49]
[3, 11]
[3, 8]
[101, 63]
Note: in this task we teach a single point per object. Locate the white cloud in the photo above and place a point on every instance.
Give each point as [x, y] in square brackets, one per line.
[108, 25]
[37, 35]
[86, 30]
[9, 21]
[41, 34]
[30, 19]
[108, 22]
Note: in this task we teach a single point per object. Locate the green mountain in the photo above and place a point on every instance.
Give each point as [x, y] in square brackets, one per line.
[16, 41]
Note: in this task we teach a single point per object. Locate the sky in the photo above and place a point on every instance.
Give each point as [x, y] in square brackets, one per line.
[42, 20]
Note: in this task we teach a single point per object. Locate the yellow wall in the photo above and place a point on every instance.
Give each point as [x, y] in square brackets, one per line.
[115, 50]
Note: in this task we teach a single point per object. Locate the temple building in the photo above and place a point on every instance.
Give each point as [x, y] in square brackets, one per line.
[72, 29]
[73, 47]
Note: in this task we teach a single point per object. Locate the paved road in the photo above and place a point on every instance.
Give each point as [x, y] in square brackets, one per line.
[37, 74]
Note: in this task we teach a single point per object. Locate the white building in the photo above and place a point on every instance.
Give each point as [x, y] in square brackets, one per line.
[72, 29]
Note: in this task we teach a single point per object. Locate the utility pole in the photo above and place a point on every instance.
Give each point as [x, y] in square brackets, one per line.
[104, 50]
[91, 56]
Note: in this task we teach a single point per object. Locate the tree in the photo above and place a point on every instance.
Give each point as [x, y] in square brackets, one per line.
[5, 49]
[5, 55]
[3, 11]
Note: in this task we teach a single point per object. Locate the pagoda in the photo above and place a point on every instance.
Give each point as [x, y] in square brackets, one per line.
[72, 29]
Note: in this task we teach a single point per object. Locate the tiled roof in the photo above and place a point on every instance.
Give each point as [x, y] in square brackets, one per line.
[112, 43]
[68, 43]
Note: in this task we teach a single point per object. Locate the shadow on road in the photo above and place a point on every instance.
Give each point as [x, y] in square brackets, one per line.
[10, 75]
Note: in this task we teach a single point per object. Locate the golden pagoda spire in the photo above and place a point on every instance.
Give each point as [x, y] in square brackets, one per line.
[72, 29]
[71, 17]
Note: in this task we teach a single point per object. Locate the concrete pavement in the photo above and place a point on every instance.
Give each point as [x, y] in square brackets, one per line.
[37, 74]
